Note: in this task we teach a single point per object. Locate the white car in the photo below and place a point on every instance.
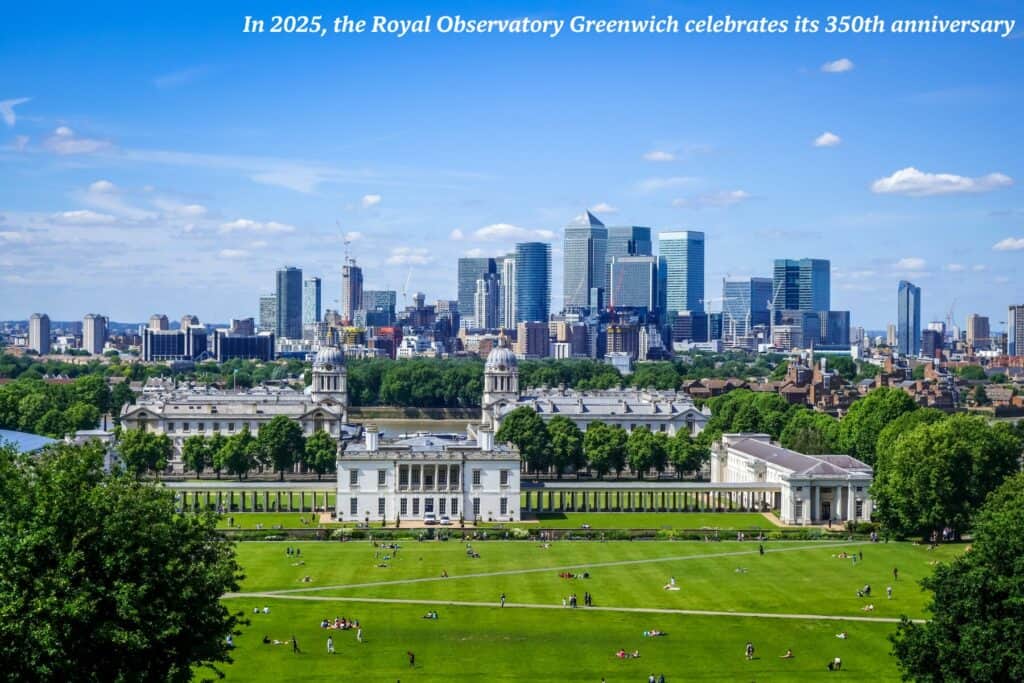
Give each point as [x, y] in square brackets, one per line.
[429, 518]
[445, 520]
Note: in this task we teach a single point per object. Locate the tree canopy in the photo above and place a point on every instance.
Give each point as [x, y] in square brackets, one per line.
[566, 445]
[811, 432]
[525, 429]
[321, 453]
[280, 443]
[605, 446]
[867, 417]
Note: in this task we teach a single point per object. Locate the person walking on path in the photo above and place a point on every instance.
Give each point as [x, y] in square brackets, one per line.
[359, 635]
[330, 645]
[295, 645]
[895, 574]
[750, 650]
[502, 599]
[412, 658]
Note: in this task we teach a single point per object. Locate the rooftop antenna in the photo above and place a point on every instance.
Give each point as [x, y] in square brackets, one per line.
[345, 239]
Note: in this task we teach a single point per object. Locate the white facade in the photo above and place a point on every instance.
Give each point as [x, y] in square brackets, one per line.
[815, 489]
[409, 479]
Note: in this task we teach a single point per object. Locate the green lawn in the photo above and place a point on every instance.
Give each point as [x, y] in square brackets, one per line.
[653, 520]
[484, 642]
[272, 520]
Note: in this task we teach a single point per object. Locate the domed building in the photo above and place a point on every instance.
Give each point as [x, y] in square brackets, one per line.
[501, 383]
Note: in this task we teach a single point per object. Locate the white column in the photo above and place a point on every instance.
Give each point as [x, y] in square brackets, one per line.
[851, 503]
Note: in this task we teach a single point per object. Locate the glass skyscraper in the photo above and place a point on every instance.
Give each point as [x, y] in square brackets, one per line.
[803, 285]
[744, 305]
[507, 305]
[471, 270]
[351, 290]
[630, 240]
[908, 320]
[585, 262]
[311, 301]
[268, 313]
[289, 303]
[1015, 331]
[532, 282]
[681, 272]
[633, 281]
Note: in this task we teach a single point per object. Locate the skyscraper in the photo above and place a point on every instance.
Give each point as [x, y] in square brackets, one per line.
[803, 285]
[585, 248]
[908, 319]
[94, 333]
[532, 266]
[39, 333]
[633, 282]
[471, 270]
[1015, 331]
[268, 313]
[158, 321]
[311, 301]
[744, 306]
[979, 334]
[680, 272]
[507, 296]
[631, 240]
[351, 290]
[485, 302]
[289, 303]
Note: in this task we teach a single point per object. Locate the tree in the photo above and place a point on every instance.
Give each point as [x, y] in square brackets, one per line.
[644, 450]
[686, 453]
[321, 453]
[917, 373]
[238, 454]
[143, 451]
[281, 443]
[655, 376]
[972, 372]
[566, 445]
[811, 432]
[977, 608]
[92, 389]
[52, 423]
[844, 365]
[867, 417]
[937, 475]
[102, 580]
[120, 396]
[901, 425]
[214, 443]
[981, 396]
[605, 447]
[195, 451]
[81, 415]
[525, 429]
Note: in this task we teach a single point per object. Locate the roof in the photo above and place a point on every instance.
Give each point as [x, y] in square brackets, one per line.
[432, 445]
[799, 464]
[614, 402]
[25, 442]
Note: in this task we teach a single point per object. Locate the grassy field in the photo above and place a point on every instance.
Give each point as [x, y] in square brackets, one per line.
[272, 520]
[736, 595]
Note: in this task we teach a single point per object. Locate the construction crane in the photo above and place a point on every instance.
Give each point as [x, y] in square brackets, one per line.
[405, 289]
[771, 313]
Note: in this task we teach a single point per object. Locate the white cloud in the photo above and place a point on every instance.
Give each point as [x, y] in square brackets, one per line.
[914, 183]
[353, 236]
[64, 141]
[409, 256]
[233, 253]
[659, 155]
[476, 252]
[456, 235]
[102, 186]
[181, 210]
[603, 207]
[506, 231]
[956, 267]
[82, 217]
[655, 184]
[7, 109]
[979, 267]
[719, 199]
[370, 200]
[246, 225]
[838, 66]
[1009, 244]
[258, 244]
[827, 139]
[910, 263]
[12, 236]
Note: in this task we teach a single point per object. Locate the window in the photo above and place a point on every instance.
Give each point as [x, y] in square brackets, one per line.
[428, 504]
[353, 506]
[380, 506]
[859, 511]
[216, 426]
[504, 506]
[415, 506]
[442, 477]
[476, 507]
[415, 476]
[201, 426]
[184, 427]
[403, 506]
[403, 476]
[453, 479]
[476, 477]
[798, 509]
[231, 426]
[441, 505]
[170, 426]
[353, 477]
[455, 506]
[382, 477]
[504, 477]
[428, 479]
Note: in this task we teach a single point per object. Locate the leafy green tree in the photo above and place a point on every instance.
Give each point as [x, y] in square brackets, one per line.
[981, 396]
[525, 429]
[902, 425]
[779, 372]
[238, 454]
[31, 409]
[867, 417]
[937, 475]
[214, 443]
[844, 365]
[321, 453]
[143, 451]
[644, 450]
[52, 423]
[686, 453]
[93, 390]
[605, 447]
[81, 415]
[811, 432]
[977, 608]
[120, 396]
[281, 443]
[971, 372]
[655, 376]
[102, 580]
[566, 445]
[195, 452]
[917, 373]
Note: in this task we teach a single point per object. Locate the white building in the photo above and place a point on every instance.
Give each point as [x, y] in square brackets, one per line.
[428, 477]
[181, 411]
[814, 489]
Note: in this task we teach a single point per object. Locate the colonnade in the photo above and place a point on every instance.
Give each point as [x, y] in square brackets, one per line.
[254, 500]
[640, 499]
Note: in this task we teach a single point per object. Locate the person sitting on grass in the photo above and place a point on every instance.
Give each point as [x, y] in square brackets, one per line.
[621, 654]
[835, 665]
[868, 608]
[788, 655]
[636, 654]
[842, 635]
[653, 633]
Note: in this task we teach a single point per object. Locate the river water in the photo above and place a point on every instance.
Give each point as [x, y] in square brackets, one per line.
[393, 428]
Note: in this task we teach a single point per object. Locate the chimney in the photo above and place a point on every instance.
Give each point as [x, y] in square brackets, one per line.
[485, 438]
[372, 438]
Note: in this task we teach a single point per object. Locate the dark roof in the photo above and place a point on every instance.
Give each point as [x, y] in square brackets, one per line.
[799, 463]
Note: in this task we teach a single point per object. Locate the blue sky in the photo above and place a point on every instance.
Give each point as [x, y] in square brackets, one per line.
[167, 162]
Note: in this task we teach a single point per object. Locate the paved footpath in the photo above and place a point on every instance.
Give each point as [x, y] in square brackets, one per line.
[569, 567]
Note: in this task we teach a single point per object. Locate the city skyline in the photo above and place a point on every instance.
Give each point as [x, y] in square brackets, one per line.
[178, 176]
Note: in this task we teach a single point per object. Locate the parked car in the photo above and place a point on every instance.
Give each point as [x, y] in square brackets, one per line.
[429, 518]
[445, 520]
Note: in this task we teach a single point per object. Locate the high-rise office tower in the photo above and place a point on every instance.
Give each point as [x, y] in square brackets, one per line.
[380, 300]
[94, 333]
[1015, 331]
[908, 319]
[585, 272]
[633, 282]
[744, 306]
[188, 320]
[890, 336]
[311, 300]
[471, 270]
[268, 313]
[631, 240]
[158, 321]
[485, 302]
[507, 305]
[289, 303]
[39, 333]
[680, 272]
[351, 290]
[802, 285]
[979, 335]
[532, 282]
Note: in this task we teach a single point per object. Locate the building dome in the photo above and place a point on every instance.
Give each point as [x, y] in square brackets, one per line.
[500, 358]
[329, 355]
